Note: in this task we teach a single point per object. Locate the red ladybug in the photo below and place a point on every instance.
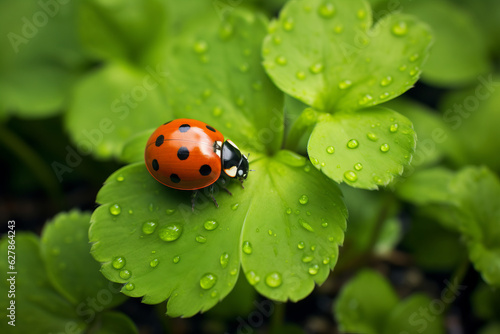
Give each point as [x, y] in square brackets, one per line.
[188, 154]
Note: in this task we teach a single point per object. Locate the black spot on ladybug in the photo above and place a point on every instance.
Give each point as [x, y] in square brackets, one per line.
[205, 170]
[159, 140]
[175, 178]
[184, 128]
[167, 123]
[210, 128]
[155, 164]
[183, 153]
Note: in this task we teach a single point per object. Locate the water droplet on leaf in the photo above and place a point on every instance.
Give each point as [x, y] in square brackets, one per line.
[208, 281]
[314, 270]
[115, 209]
[247, 247]
[154, 263]
[201, 239]
[353, 143]
[125, 274]
[149, 227]
[305, 225]
[273, 280]
[224, 260]
[330, 150]
[358, 166]
[210, 225]
[303, 199]
[326, 10]
[170, 232]
[118, 262]
[252, 278]
[350, 176]
[400, 29]
[384, 148]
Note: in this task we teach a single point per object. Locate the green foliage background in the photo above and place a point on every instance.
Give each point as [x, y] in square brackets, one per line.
[312, 90]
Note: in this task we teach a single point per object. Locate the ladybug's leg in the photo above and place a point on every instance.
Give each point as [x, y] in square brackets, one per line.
[242, 186]
[193, 198]
[212, 195]
[223, 182]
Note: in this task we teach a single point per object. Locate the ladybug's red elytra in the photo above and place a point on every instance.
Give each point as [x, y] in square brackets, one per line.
[188, 154]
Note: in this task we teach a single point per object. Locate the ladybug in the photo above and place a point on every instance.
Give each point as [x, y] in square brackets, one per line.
[188, 154]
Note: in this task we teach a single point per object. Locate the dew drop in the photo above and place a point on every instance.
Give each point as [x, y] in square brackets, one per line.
[115, 209]
[326, 260]
[313, 248]
[394, 127]
[414, 71]
[169, 211]
[365, 100]
[400, 29]
[224, 260]
[330, 150]
[353, 143]
[386, 81]
[361, 14]
[273, 280]
[301, 245]
[176, 259]
[316, 68]
[358, 166]
[303, 199]
[313, 270]
[129, 286]
[307, 258]
[281, 60]
[402, 68]
[201, 239]
[300, 75]
[384, 148]
[288, 24]
[252, 278]
[372, 136]
[217, 111]
[326, 10]
[154, 263]
[413, 58]
[120, 178]
[307, 168]
[244, 67]
[149, 227]
[324, 223]
[345, 84]
[384, 96]
[170, 232]
[270, 232]
[226, 31]
[200, 47]
[210, 225]
[247, 247]
[130, 211]
[351, 176]
[277, 40]
[125, 274]
[288, 211]
[314, 161]
[235, 206]
[208, 281]
[377, 180]
[338, 29]
[305, 225]
[118, 262]
[233, 271]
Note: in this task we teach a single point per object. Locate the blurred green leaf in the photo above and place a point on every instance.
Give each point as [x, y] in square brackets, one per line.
[40, 56]
[70, 267]
[369, 304]
[39, 308]
[476, 193]
[492, 328]
[474, 117]
[366, 149]
[427, 186]
[486, 302]
[327, 54]
[239, 302]
[113, 103]
[459, 53]
[124, 29]
[216, 76]
[412, 316]
[286, 241]
[364, 303]
[113, 322]
[133, 149]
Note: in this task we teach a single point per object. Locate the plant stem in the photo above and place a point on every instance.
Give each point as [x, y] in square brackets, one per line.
[278, 317]
[301, 127]
[457, 277]
[34, 162]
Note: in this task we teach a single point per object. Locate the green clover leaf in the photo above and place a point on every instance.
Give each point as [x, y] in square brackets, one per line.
[217, 76]
[109, 105]
[35, 297]
[70, 267]
[284, 229]
[365, 149]
[368, 304]
[476, 193]
[326, 54]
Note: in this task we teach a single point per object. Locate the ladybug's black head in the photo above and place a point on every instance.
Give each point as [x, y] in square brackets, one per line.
[234, 164]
